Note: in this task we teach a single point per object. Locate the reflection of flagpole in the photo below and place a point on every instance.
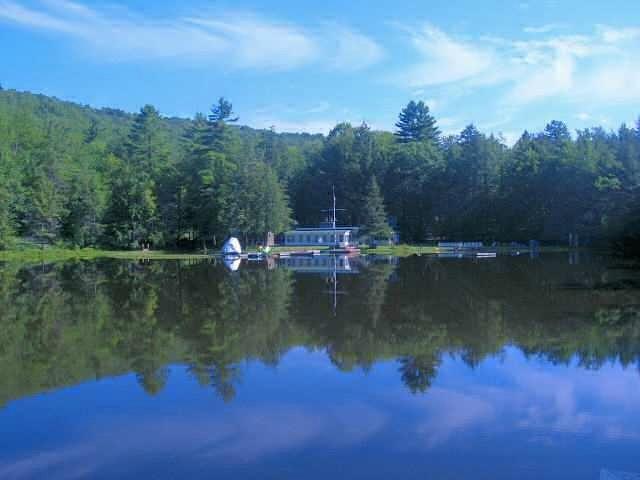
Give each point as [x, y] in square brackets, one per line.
[335, 277]
[332, 277]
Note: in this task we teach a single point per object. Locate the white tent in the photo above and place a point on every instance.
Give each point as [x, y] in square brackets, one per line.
[231, 247]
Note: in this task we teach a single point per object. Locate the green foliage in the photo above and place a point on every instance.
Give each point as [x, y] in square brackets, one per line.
[70, 322]
[416, 124]
[88, 177]
[375, 221]
[6, 227]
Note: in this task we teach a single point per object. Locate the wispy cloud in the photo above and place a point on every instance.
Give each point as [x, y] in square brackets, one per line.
[350, 49]
[240, 40]
[210, 438]
[599, 67]
[616, 35]
[443, 59]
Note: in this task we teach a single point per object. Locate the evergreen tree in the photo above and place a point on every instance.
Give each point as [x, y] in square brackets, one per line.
[92, 132]
[412, 185]
[146, 147]
[221, 115]
[83, 211]
[376, 223]
[132, 213]
[416, 124]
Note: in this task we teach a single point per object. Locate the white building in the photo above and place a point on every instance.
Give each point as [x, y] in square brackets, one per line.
[321, 236]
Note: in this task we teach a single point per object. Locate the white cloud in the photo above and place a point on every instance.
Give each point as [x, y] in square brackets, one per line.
[549, 79]
[350, 49]
[124, 38]
[443, 59]
[611, 82]
[257, 43]
[601, 67]
[617, 35]
[239, 40]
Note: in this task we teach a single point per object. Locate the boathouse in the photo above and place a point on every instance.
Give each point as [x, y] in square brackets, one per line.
[321, 236]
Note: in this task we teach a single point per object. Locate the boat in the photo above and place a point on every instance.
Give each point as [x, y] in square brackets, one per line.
[255, 256]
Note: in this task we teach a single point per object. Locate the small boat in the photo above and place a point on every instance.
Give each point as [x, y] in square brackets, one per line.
[255, 256]
[486, 255]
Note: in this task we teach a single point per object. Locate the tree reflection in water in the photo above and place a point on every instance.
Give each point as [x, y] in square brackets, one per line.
[66, 323]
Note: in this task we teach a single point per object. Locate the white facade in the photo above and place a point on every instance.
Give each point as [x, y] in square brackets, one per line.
[341, 236]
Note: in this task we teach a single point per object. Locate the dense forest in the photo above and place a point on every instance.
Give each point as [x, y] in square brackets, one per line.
[78, 176]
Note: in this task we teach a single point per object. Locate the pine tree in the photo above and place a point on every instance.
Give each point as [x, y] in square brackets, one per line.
[219, 118]
[132, 213]
[375, 217]
[83, 209]
[146, 148]
[208, 171]
[416, 124]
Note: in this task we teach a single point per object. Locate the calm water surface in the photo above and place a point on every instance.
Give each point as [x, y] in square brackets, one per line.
[328, 368]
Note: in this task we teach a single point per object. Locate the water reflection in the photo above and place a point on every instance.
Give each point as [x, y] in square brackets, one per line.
[376, 358]
[66, 323]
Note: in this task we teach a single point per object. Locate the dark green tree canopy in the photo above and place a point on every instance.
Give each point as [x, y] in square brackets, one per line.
[222, 112]
[416, 124]
[375, 221]
[88, 177]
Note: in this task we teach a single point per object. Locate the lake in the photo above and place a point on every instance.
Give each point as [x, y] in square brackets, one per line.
[317, 368]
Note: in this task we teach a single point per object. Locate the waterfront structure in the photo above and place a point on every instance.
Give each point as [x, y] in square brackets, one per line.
[324, 235]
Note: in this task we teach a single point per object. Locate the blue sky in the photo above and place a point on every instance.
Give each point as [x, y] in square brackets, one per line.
[304, 66]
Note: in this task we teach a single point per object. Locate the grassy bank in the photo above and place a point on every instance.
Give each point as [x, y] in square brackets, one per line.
[62, 254]
[54, 254]
[400, 250]
[406, 250]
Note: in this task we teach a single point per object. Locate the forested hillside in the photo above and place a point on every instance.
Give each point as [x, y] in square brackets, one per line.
[79, 176]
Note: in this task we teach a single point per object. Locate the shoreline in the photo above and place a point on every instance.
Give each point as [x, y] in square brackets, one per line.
[65, 254]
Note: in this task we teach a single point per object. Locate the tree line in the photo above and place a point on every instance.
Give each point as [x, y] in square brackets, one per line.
[79, 176]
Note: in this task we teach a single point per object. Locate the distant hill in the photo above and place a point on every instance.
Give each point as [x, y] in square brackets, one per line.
[113, 124]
